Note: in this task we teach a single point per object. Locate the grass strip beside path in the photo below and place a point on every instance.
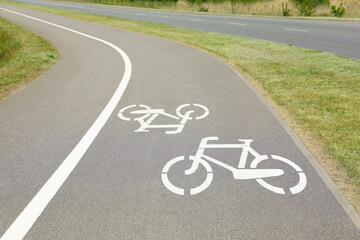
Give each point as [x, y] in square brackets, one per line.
[24, 56]
[317, 93]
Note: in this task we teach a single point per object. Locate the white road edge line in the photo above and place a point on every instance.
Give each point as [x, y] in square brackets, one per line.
[297, 30]
[196, 19]
[77, 6]
[59, 4]
[33, 210]
[241, 24]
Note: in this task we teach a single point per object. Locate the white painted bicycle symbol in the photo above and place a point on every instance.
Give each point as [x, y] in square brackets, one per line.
[241, 172]
[145, 116]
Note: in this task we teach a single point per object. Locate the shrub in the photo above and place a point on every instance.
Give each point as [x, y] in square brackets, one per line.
[198, 2]
[313, 2]
[306, 7]
[203, 9]
[191, 1]
[285, 10]
[338, 12]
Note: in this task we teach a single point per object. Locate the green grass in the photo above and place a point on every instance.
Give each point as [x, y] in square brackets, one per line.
[9, 45]
[320, 91]
[23, 57]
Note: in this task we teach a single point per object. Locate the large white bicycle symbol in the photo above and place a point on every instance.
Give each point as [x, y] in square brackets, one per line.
[240, 173]
[145, 116]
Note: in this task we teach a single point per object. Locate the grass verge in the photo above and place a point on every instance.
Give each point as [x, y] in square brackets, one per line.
[317, 93]
[23, 57]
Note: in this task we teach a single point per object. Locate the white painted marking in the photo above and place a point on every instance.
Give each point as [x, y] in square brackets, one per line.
[204, 185]
[204, 115]
[148, 115]
[240, 24]
[76, 6]
[126, 109]
[296, 167]
[33, 210]
[239, 173]
[196, 19]
[180, 191]
[59, 4]
[245, 174]
[302, 184]
[296, 30]
[162, 16]
[165, 179]
[142, 14]
[294, 190]
[270, 187]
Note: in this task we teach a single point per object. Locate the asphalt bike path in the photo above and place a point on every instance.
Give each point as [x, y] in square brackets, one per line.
[168, 163]
[337, 37]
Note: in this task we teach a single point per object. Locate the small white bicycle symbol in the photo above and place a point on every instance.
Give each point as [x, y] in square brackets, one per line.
[145, 116]
[240, 172]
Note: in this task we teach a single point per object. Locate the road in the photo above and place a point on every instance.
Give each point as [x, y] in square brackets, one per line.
[342, 38]
[73, 167]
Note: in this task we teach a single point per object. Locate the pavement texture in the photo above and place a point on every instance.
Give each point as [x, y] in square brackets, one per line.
[116, 191]
[341, 38]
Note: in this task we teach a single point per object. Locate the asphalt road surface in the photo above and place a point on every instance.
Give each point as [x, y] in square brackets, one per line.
[79, 161]
[342, 38]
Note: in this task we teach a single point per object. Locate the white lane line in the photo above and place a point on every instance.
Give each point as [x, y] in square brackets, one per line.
[196, 19]
[294, 29]
[33, 210]
[164, 16]
[76, 6]
[59, 4]
[240, 24]
[142, 14]
[105, 10]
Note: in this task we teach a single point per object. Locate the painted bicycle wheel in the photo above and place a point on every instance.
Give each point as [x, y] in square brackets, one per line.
[198, 111]
[179, 190]
[125, 112]
[302, 181]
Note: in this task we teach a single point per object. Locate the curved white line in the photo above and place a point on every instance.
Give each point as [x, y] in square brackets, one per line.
[271, 187]
[205, 109]
[33, 210]
[121, 116]
[301, 185]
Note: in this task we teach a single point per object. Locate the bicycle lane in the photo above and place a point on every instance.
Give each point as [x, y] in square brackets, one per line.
[116, 190]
